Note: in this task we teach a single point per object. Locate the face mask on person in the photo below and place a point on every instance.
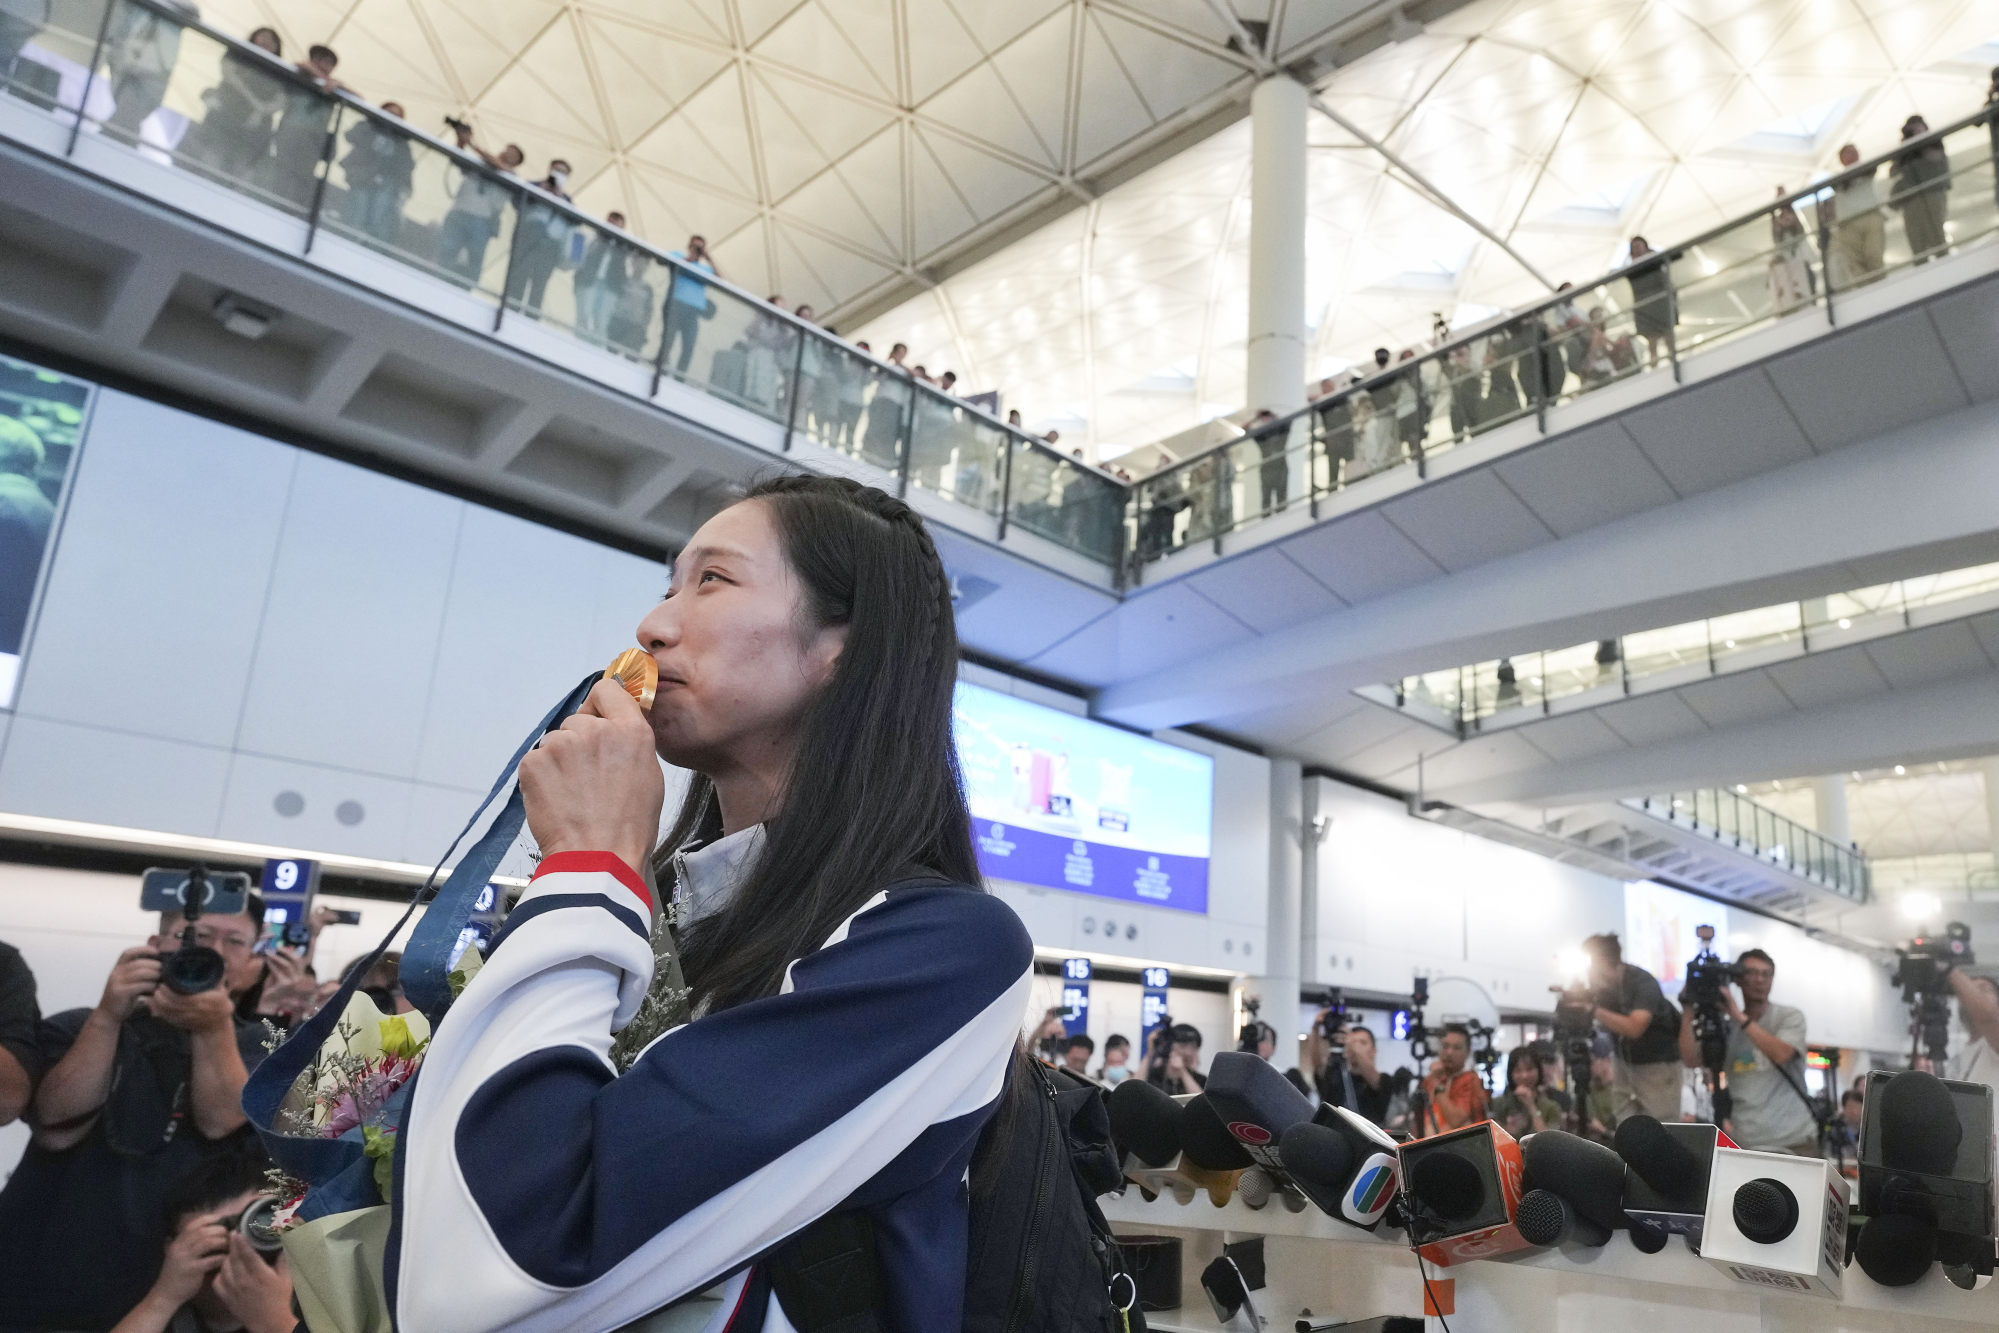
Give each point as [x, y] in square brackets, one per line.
[560, 175]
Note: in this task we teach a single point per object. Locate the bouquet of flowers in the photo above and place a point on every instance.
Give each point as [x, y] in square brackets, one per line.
[349, 1090]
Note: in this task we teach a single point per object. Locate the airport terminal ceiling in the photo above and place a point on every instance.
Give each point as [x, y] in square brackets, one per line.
[846, 153]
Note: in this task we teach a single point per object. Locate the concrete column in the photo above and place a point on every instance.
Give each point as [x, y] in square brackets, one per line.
[1278, 108]
[1829, 797]
[1278, 989]
[1992, 805]
[1308, 883]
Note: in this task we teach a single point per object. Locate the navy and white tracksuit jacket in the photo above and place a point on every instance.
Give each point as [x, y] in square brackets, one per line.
[538, 1190]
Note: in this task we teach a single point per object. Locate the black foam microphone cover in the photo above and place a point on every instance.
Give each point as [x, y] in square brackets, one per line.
[1256, 1101]
[1589, 1176]
[1895, 1249]
[1317, 1156]
[1920, 1129]
[1765, 1210]
[1648, 1239]
[1660, 1160]
[1145, 1122]
[1546, 1218]
[1206, 1140]
[1450, 1186]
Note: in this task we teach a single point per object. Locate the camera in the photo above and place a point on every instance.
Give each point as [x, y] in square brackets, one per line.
[1922, 969]
[193, 968]
[458, 126]
[1708, 977]
[258, 1225]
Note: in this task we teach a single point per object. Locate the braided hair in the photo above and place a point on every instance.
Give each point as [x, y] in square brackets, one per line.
[874, 794]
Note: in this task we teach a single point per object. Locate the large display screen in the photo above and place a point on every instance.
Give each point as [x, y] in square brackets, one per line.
[41, 419]
[1659, 926]
[1067, 803]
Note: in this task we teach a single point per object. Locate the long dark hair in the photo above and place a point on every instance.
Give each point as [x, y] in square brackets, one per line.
[874, 793]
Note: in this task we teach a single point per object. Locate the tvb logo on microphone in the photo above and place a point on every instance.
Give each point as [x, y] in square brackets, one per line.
[1372, 1189]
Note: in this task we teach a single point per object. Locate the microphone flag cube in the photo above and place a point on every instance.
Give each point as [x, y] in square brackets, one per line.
[1777, 1222]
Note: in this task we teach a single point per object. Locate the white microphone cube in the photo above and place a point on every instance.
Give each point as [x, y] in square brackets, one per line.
[1809, 1254]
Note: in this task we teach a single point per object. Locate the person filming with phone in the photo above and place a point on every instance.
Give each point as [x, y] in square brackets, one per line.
[137, 1093]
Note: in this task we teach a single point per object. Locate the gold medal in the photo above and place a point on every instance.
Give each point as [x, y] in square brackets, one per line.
[638, 673]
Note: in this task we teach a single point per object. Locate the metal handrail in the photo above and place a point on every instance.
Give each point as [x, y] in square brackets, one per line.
[1785, 833]
[523, 190]
[1486, 328]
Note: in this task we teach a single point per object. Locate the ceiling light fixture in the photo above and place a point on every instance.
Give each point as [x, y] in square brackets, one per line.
[1921, 906]
[1900, 771]
[1844, 623]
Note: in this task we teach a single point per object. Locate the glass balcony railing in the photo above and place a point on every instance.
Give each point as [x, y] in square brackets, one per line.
[146, 74]
[1510, 690]
[1767, 835]
[1929, 197]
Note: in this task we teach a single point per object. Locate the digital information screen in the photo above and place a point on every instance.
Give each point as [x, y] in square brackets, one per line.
[1067, 803]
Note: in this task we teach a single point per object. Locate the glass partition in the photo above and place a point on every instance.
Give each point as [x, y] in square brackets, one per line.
[850, 404]
[47, 66]
[733, 347]
[1765, 834]
[955, 452]
[1065, 500]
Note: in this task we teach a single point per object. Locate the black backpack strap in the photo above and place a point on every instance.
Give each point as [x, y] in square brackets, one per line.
[826, 1277]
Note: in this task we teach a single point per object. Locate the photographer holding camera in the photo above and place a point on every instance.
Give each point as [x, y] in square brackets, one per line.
[139, 1092]
[1342, 1061]
[1763, 1062]
[221, 1272]
[1645, 1072]
[1978, 1008]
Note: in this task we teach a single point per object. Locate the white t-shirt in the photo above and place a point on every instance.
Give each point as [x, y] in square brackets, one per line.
[1976, 1062]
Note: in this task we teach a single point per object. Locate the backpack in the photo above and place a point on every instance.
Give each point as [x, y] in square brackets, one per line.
[1040, 1259]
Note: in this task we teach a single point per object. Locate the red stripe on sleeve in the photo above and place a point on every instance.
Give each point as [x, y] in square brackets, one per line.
[562, 863]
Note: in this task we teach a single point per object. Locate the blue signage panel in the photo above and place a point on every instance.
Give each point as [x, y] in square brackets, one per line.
[1075, 995]
[1151, 1006]
[1066, 803]
[287, 887]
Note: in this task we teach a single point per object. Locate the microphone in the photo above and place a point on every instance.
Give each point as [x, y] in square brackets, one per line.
[1546, 1218]
[1207, 1140]
[1460, 1192]
[1666, 1180]
[1926, 1171]
[1344, 1164]
[1775, 1221]
[1257, 1104]
[1148, 1128]
[1587, 1177]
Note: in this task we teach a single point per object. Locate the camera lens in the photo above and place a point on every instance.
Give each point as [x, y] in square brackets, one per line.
[257, 1223]
[191, 969]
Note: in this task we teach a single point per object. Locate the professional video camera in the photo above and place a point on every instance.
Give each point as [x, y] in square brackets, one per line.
[1922, 969]
[1254, 1030]
[193, 968]
[1575, 1037]
[1708, 977]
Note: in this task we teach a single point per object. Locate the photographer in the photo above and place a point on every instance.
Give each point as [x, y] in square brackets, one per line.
[1453, 1096]
[212, 1279]
[1348, 1076]
[1175, 1066]
[1978, 1009]
[19, 1015]
[1764, 1063]
[139, 1092]
[1645, 1074]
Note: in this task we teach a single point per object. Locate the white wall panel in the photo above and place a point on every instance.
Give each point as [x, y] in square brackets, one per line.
[157, 588]
[112, 777]
[350, 626]
[354, 814]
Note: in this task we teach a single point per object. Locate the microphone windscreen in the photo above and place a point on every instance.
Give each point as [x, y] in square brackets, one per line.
[1448, 1185]
[1145, 1122]
[1317, 1156]
[1660, 1160]
[1585, 1173]
[1253, 1187]
[1545, 1218]
[1206, 1140]
[1920, 1129]
[1648, 1239]
[1765, 1210]
[1896, 1250]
